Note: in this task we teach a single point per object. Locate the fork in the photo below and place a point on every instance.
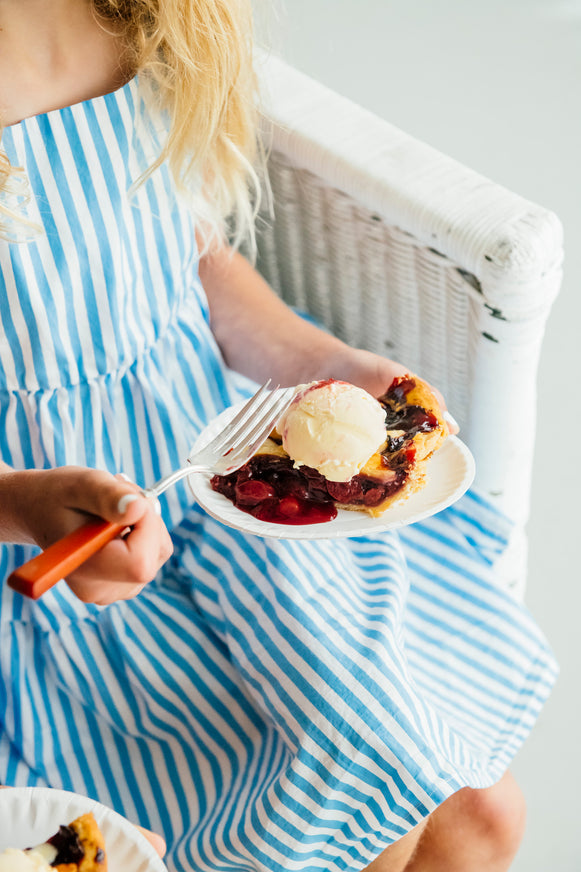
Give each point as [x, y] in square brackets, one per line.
[226, 452]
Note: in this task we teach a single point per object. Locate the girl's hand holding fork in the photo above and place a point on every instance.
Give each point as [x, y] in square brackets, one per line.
[41, 506]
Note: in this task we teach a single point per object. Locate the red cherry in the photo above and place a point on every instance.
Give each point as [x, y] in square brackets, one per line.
[250, 493]
[373, 496]
[289, 506]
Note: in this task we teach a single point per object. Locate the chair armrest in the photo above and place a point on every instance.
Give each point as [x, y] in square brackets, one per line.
[514, 247]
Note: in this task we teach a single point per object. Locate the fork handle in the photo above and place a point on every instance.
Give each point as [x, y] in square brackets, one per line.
[38, 575]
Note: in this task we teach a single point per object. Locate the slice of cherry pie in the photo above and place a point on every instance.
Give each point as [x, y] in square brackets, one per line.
[272, 487]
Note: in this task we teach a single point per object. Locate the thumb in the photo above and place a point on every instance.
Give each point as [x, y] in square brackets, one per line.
[132, 504]
[129, 508]
[126, 500]
[110, 497]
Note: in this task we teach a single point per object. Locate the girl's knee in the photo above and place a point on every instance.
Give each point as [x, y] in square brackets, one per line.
[496, 814]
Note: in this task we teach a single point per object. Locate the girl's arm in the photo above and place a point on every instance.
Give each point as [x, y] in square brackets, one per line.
[261, 337]
[41, 506]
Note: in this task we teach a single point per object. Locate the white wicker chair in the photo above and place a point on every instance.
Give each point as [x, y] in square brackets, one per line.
[399, 249]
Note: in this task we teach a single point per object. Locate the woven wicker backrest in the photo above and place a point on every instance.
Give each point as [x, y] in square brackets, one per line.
[401, 250]
[370, 283]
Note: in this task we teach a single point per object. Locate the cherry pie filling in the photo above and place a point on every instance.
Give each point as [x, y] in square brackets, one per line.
[270, 488]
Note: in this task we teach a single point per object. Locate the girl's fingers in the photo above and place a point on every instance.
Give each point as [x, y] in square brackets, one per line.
[133, 559]
[148, 545]
[127, 564]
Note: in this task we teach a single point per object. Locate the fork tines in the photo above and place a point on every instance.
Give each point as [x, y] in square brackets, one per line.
[252, 440]
[222, 441]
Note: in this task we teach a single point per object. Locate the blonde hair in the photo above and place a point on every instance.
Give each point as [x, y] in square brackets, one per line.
[14, 198]
[197, 56]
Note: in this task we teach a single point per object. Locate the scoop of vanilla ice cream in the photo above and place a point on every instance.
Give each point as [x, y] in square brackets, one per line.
[333, 427]
[14, 860]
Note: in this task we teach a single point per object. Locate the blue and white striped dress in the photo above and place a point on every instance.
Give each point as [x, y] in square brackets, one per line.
[266, 705]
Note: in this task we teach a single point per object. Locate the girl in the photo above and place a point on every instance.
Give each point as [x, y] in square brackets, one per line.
[263, 704]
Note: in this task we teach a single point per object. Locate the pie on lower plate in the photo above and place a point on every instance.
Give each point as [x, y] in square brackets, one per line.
[76, 847]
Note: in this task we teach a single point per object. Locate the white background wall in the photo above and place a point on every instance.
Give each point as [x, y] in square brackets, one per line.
[496, 85]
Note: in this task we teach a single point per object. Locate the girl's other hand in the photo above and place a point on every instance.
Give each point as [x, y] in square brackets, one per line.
[155, 840]
[49, 504]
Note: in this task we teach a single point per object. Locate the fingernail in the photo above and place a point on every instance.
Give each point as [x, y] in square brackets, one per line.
[157, 507]
[124, 502]
[451, 421]
[122, 475]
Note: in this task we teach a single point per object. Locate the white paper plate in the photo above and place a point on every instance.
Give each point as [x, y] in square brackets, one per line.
[449, 474]
[30, 815]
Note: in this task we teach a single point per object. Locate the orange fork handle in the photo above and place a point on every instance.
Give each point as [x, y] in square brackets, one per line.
[36, 576]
